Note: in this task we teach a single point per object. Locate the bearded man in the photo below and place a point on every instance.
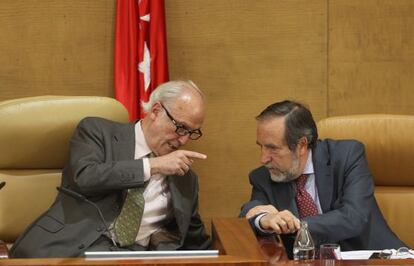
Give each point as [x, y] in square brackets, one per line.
[324, 182]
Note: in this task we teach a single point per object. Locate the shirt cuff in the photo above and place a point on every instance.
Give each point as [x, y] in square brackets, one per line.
[257, 223]
[147, 169]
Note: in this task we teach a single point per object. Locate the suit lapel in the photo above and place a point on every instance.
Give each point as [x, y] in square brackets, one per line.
[284, 194]
[280, 195]
[323, 178]
[179, 201]
[123, 143]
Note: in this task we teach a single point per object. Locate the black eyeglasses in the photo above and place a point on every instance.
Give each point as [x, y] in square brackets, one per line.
[182, 130]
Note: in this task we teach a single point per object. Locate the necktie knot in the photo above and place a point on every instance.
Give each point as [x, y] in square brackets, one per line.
[301, 181]
[304, 201]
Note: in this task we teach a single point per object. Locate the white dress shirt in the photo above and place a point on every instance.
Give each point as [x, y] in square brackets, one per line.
[157, 195]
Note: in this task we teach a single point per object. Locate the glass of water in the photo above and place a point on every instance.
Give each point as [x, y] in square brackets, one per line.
[330, 252]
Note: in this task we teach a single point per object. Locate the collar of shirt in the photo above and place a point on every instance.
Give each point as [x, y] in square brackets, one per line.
[308, 170]
[141, 146]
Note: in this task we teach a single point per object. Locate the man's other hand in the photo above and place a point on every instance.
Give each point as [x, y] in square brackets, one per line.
[283, 222]
[261, 209]
[174, 163]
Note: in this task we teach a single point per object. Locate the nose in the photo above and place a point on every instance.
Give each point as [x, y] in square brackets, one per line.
[183, 139]
[264, 157]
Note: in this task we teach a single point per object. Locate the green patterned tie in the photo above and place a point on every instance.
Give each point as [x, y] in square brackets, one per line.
[127, 224]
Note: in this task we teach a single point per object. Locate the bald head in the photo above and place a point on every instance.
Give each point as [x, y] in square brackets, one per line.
[178, 90]
[174, 115]
[189, 104]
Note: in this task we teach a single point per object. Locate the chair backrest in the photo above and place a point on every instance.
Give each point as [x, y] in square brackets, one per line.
[34, 143]
[389, 147]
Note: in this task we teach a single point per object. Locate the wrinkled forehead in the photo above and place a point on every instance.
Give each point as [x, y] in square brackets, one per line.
[272, 128]
[188, 110]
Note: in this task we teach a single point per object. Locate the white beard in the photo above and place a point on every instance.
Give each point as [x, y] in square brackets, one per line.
[287, 176]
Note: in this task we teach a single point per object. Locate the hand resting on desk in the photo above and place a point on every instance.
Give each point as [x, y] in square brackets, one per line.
[281, 222]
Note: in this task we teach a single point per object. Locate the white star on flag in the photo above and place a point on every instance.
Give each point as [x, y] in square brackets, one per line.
[145, 67]
[145, 18]
[140, 52]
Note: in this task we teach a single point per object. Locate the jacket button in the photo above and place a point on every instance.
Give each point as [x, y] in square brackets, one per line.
[81, 246]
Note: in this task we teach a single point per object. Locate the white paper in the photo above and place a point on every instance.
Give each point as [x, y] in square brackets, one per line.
[357, 254]
[365, 254]
[151, 254]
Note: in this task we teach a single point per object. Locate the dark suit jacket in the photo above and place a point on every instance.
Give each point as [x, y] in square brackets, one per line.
[101, 166]
[351, 216]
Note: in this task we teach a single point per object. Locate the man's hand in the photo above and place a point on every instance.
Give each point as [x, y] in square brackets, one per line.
[261, 209]
[174, 163]
[283, 222]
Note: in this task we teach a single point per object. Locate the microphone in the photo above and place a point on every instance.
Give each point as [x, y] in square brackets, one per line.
[2, 184]
[78, 196]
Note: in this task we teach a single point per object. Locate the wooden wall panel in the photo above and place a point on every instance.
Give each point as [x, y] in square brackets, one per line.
[220, 46]
[56, 47]
[245, 55]
[371, 57]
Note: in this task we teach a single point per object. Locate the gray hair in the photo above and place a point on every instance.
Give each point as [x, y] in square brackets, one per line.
[168, 92]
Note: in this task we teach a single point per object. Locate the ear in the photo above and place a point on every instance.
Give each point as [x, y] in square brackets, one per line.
[155, 110]
[302, 145]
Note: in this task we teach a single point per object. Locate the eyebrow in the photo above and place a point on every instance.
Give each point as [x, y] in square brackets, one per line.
[180, 122]
[184, 124]
[272, 146]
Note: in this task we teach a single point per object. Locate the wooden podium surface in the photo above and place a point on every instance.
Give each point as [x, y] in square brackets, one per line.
[236, 243]
[233, 238]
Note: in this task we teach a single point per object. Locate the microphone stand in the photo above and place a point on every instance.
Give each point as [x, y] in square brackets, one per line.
[78, 196]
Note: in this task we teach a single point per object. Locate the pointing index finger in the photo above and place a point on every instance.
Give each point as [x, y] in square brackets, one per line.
[194, 154]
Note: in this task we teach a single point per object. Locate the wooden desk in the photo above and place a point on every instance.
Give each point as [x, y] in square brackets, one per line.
[236, 243]
[233, 238]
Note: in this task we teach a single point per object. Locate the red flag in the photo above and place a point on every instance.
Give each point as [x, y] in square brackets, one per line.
[140, 52]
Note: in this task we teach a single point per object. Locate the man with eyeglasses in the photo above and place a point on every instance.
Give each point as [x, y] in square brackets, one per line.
[128, 186]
